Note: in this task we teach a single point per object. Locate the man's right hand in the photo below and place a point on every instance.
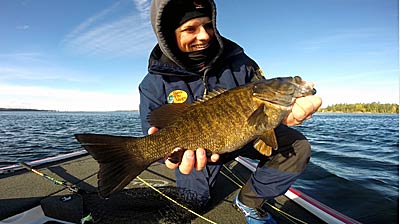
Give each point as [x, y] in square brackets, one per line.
[191, 159]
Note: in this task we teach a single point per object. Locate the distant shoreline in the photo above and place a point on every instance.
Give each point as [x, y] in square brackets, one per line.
[362, 108]
[356, 108]
[321, 111]
[38, 110]
[22, 109]
[356, 112]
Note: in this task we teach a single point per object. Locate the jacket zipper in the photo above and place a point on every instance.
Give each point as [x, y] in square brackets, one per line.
[204, 79]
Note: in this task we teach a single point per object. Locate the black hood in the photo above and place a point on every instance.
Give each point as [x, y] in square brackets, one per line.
[159, 10]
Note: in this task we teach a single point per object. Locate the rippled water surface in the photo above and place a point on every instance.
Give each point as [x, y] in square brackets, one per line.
[354, 166]
[26, 136]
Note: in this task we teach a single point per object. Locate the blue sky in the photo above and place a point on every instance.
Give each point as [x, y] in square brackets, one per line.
[75, 55]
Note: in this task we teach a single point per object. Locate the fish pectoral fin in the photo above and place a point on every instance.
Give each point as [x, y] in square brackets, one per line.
[269, 138]
[259, 118]
[266, 143]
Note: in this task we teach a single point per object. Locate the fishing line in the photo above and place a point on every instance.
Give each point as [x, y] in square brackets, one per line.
[240, 186]
[230, 171]
[75, 189]
[175, 202]
[238, 183]
[288, 216]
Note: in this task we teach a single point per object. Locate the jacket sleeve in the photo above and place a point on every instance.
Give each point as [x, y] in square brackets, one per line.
[245, 69]
[254, 71]
[152, 96]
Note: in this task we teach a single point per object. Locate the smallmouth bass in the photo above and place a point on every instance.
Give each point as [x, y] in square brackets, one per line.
[221, 122]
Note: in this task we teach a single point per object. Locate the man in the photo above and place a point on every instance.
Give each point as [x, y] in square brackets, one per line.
[191, 59]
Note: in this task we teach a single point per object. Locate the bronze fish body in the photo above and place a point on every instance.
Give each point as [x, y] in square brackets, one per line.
[222, 122]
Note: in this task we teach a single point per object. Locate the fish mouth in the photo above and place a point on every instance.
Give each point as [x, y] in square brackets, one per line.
[305, 89]
[280, 103]
[313, 91]
[283, 101]
[283, 92]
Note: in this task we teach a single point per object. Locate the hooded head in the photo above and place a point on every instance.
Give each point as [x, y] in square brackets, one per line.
[168, 15]
[178, 12]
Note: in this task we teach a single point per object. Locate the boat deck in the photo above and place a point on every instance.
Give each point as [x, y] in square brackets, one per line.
[22, 190]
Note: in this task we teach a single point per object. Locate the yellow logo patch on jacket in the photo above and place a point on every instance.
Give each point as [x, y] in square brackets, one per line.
[177, 96]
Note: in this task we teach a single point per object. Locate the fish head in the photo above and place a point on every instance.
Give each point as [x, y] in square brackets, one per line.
[282, 92]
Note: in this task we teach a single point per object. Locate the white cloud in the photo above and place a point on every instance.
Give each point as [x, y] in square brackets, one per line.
[22, 27]
[25, 73]
[22, 57]
[14, 96]
[114, 33]
[339, 39]
[86, 24]
[143, 6]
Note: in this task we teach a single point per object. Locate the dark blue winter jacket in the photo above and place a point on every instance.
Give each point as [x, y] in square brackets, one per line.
[167, 84]
[168, 81]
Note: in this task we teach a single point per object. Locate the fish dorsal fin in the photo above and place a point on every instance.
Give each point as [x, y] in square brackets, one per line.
[210, 95]
[167, 114]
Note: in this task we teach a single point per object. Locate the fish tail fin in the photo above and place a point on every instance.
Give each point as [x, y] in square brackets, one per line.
[119, 158]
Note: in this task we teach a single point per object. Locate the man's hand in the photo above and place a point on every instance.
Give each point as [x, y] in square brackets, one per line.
[191, 159]
[303, 109]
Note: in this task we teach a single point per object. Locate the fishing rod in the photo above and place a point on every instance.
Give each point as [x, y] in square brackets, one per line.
[69, 186]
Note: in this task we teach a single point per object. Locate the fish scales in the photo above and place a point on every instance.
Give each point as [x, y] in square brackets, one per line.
[210, 120]
[189, 131]
[220, 123]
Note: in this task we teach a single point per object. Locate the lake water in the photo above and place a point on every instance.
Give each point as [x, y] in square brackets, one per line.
[354, 166]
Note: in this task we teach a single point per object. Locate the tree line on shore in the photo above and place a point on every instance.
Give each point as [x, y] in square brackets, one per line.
[23, 109]
[387, 108]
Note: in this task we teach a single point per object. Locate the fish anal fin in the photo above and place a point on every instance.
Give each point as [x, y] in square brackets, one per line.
[266, 143]
[263, 148]
[167, 114]
[176, 156]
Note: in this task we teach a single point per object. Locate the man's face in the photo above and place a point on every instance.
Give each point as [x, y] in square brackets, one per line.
[195, 34]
